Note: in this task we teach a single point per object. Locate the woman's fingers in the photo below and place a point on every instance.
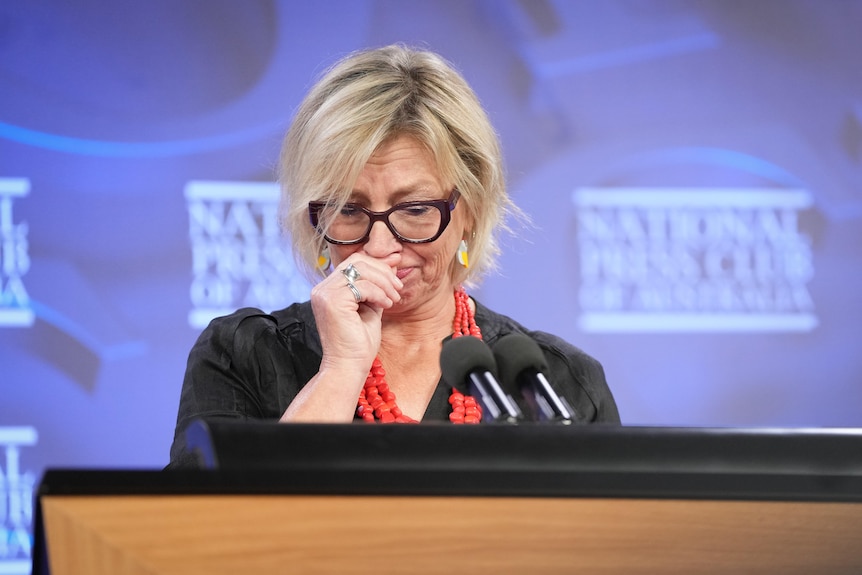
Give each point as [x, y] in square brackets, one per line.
[375, 281]
[348, 308]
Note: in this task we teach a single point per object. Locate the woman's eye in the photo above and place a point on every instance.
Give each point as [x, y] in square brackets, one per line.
[415, 210]
[349, 210]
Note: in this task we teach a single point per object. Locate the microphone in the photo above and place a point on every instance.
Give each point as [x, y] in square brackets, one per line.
[469, 359]
[522, 365]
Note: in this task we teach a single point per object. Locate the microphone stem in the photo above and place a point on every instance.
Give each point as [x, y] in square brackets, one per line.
[496, 406]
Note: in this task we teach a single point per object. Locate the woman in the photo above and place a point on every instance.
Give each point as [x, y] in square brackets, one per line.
[393, 192]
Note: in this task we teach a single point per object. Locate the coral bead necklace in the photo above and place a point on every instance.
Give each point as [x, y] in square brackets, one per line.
[377, 402]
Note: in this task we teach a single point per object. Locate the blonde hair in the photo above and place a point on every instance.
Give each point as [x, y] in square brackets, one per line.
[369, 97]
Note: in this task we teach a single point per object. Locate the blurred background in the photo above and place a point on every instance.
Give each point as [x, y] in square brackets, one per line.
[693, 170]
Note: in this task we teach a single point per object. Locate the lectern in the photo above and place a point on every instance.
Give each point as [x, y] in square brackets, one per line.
[428, 498]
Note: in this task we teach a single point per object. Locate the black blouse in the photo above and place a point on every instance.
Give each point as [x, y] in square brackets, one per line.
[251, 364]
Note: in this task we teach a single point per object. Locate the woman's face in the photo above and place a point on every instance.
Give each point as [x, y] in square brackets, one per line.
[402, 170]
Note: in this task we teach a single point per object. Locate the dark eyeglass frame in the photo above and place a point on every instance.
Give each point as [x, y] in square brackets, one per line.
[444, 206]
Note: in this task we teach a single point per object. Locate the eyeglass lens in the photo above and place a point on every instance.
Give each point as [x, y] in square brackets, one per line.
[413, 221]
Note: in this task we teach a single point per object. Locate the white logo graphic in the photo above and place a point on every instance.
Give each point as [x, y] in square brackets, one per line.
[239, 258]
[14, 259]
[16, 502]
[693, 259]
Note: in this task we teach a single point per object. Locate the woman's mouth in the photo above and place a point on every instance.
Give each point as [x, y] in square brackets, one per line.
[403, 272]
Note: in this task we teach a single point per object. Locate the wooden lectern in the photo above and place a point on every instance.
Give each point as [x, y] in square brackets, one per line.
[475, 499]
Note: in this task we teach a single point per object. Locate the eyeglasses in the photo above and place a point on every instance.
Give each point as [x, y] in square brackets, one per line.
[411, 222]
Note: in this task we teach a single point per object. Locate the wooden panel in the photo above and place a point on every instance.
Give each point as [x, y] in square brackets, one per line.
[136, 535]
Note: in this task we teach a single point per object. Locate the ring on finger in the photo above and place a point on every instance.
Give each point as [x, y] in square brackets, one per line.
[351, 273]
[356, 295]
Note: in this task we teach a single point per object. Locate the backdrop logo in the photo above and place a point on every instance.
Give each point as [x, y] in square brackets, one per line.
[16, 502]
[693, 259]
[14, 259]
[239, 258]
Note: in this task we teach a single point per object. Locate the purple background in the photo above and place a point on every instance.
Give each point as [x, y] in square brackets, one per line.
[110, 109]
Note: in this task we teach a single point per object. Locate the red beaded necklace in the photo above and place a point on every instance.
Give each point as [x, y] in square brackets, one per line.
[377, 402]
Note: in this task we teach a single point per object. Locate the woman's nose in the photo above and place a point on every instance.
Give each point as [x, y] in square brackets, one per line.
[381, 240]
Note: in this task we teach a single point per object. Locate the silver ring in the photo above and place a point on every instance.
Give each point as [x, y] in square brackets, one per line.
[351, 273]
[356, 295]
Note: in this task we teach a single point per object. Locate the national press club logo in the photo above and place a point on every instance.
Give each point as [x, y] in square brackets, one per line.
[239, 258]
[15, 310]
[694, 260]
[16, 501]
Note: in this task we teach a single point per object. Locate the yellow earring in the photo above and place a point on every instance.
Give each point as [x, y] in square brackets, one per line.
[323, 259]
[463, 259]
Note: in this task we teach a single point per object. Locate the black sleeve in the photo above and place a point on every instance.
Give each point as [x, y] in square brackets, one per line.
[580, 378]
[240, 367]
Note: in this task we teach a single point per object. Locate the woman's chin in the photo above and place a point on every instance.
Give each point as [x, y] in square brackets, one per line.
[411, 298]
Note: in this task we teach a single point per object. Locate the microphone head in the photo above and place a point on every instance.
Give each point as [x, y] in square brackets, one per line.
[463, 355]
[516, 352]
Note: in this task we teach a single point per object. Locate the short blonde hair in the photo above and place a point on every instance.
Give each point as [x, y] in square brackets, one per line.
[374, 95]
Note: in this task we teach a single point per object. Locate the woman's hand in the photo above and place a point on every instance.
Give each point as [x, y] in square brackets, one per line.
[350, 330]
